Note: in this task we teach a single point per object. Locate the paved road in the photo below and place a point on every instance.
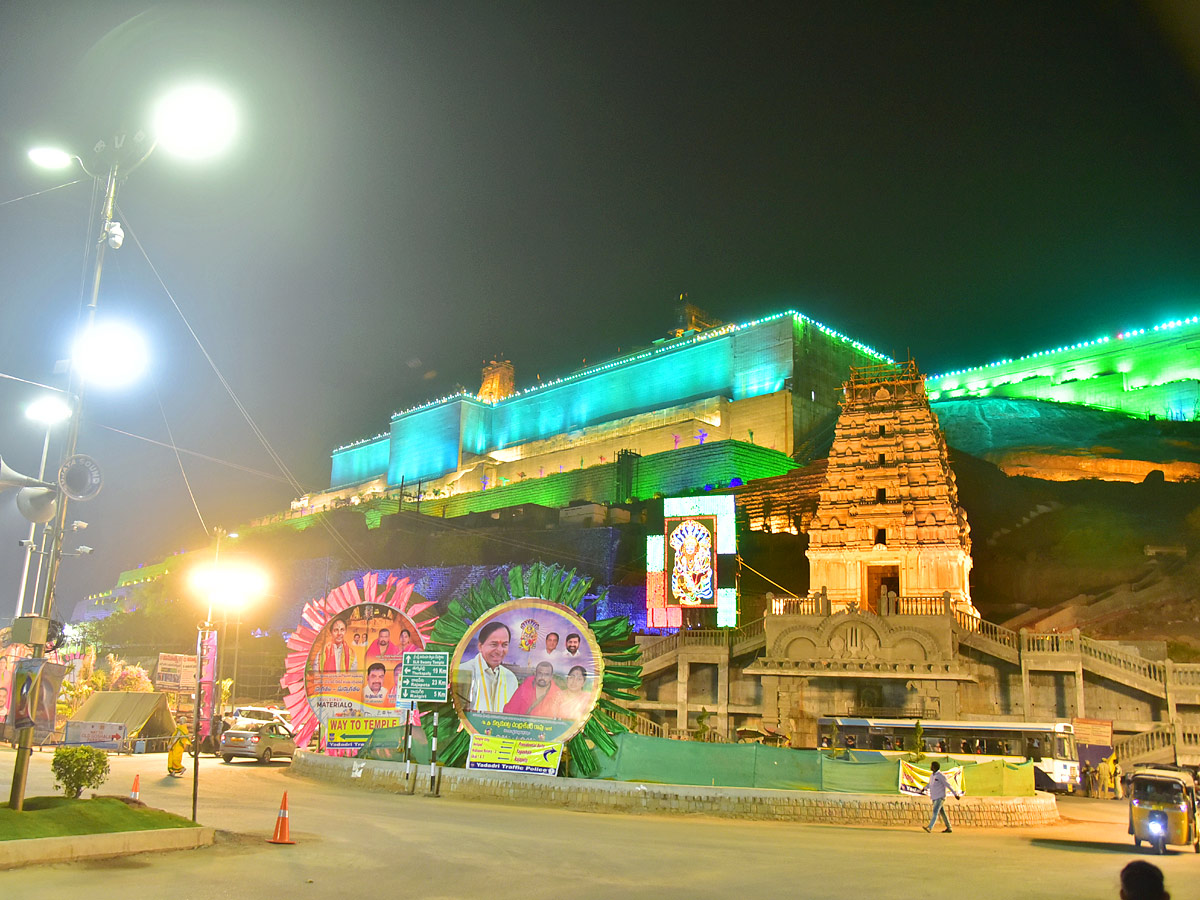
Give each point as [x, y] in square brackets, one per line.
[357, 843]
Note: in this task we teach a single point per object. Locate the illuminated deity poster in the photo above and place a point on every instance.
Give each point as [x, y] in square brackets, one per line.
[692, 561]
[528, 670]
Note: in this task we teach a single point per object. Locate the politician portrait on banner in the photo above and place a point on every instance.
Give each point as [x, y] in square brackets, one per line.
[354, 664]
[528, 669]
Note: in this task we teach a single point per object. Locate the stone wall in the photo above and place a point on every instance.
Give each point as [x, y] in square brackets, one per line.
[737, 803]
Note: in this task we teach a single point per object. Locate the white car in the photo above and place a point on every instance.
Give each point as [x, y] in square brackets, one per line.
[245, 717]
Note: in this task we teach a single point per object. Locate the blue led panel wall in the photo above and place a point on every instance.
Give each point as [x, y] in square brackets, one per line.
[425, 442]
[361, 462]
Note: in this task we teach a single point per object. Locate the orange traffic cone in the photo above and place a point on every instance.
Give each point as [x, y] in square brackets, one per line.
[282, 832]
[135, 792]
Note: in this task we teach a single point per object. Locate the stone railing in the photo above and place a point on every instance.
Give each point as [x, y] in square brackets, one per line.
[660, 647]
[997, 633]
[638, 723]
[796, 606]
[1130, 663]
[751, 631]
[920, 606]
[1185, 675]
[1137, 746]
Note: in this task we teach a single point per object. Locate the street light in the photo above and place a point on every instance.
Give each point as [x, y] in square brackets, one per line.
[192, 132]
[228, 584]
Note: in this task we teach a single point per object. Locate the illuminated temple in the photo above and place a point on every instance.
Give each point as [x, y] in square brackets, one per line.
[888, 521]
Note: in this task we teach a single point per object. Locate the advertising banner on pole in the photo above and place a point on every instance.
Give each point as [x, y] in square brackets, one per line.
[35, 687]
[914, 779]
[176, 673]
[206, 653]
[352, 732]
[504, 755]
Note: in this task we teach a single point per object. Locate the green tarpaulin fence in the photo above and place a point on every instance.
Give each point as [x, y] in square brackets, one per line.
[661, 761]
[656, 760]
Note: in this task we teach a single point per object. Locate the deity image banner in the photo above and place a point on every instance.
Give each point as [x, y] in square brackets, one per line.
[528, 669]
[691, 564]
[356, 659]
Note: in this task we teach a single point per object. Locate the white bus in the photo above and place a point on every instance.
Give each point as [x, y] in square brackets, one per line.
[1049, 745]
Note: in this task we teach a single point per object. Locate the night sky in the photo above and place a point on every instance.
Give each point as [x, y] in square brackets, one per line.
[417, 187]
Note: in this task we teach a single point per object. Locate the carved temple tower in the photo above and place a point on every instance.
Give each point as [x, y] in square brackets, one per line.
[888, 520]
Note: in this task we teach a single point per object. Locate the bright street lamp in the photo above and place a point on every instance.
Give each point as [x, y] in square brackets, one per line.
[195, 121]
[110, 355]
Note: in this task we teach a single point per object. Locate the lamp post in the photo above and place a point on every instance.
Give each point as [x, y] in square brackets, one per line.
[192, 122]
[229, 584]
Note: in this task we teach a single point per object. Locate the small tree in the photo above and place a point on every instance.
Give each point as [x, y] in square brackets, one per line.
[76, 768]
[702, 728]
[916, 744]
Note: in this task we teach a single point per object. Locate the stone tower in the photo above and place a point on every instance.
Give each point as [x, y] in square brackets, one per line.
[888, 518]
[498, 381]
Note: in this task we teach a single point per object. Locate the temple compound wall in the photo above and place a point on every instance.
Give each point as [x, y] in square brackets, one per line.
[1145, 371]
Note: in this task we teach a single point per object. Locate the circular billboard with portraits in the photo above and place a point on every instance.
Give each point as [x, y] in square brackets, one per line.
[355, 660]
[528, 669]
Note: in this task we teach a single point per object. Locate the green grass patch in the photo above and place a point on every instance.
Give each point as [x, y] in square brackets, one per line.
[58, 816]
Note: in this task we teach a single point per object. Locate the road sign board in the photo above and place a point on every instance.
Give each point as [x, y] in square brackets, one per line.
[425, 676]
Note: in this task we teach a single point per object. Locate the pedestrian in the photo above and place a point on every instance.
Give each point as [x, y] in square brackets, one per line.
[936, 789]
[1085, 780]
[1118, 785]
[1141, 880]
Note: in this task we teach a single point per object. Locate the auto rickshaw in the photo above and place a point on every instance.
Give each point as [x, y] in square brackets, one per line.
[1162, 807]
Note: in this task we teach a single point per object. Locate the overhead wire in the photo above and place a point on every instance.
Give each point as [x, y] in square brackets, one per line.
[338, 538]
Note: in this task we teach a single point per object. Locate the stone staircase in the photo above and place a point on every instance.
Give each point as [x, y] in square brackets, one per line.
[663, 653]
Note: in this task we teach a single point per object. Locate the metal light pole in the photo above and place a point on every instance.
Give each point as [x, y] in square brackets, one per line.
[16, 799]
[192, 121]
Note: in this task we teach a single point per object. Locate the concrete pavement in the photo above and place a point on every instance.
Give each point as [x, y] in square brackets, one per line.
[354, 842]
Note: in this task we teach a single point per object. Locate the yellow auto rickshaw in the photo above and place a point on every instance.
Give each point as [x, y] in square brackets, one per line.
[1162, 807]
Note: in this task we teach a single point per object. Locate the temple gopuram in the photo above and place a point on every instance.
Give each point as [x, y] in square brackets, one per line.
[888, 522]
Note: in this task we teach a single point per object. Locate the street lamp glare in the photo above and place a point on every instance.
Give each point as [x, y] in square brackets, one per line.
[48, 410]
[110, 354]
[228, 584]
[50, 157]
[195, 121]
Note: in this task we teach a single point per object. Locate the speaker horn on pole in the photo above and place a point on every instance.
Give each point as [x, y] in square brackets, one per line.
[10, 479]
[37, 504]
[80, 477]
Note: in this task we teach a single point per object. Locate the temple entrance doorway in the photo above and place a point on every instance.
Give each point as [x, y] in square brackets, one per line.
[880, 578]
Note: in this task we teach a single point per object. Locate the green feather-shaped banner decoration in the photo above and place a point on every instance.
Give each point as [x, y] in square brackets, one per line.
[622, 677]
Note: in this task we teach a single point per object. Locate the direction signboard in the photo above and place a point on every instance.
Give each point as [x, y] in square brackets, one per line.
[424, 677]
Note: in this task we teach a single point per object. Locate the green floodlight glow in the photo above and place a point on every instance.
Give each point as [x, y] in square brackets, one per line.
[195, 121]
[50, 157]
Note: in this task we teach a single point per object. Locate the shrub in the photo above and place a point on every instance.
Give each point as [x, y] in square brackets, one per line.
[76, 768]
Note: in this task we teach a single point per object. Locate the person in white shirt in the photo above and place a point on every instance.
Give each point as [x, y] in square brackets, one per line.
[492, 685]
[936, 789]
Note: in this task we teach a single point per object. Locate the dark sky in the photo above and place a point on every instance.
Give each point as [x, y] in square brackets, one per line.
[419, 186]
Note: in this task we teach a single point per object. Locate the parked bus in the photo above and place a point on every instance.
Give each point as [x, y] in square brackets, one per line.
[1049, 745]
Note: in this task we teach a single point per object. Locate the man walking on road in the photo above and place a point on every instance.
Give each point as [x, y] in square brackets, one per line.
[936, 788]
